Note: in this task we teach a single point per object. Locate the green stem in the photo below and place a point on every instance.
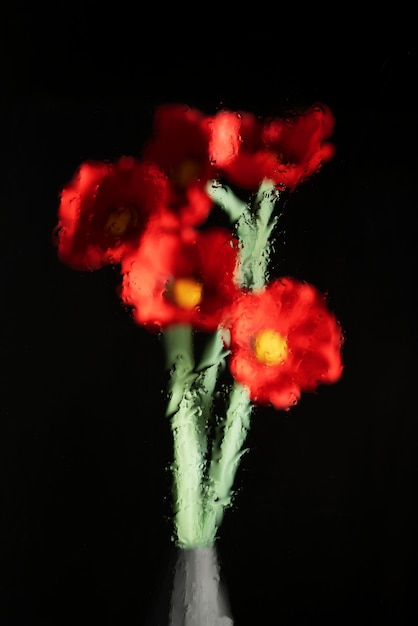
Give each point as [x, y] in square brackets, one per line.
[178, 346]
[255, 222]
[212, 362]
[187, 470]
[201, 492]
[226, 199]
[254, 228]
[189, 442]
[226, 456]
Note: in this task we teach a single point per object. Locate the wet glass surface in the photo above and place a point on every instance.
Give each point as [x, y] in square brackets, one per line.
[322, 526]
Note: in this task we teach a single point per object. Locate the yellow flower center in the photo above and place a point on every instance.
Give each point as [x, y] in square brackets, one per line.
[119, 221]
[186, 292]
[270, 347]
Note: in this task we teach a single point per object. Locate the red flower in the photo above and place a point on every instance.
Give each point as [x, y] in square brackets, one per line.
[103, 211]
[169, 280]
[284, 341]
[180, 148]
[191, 212]
[285, 150]
[180, 145]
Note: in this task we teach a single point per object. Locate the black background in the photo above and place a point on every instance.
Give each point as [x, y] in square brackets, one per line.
[323, 529]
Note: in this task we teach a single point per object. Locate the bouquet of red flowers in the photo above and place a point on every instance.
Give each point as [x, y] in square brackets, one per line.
[266, 339]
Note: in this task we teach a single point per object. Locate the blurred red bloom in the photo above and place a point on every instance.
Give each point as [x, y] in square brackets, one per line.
[170, 280]
[287, 151]
[104, 209]
[191, 212]
[180, 148]
[180, 143]
[283, 341]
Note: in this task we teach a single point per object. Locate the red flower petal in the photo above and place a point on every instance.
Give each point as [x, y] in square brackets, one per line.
[209, 258]
[103, 211]
[286, 151]
[186, 209]
[179, 145]
[297, 312]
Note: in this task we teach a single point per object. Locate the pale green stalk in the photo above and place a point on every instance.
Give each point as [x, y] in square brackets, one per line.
[179, 353]
[187, 469]
[254, 229]
[226, 456]
[202, 492]
[212, 362]
[254, 226]
[189, 438]
[226, 199]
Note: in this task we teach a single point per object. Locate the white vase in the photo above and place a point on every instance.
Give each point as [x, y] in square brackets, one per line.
[191, 592]
[199, 597]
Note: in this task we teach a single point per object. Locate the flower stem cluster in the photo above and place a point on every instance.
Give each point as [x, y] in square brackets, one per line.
[273, 338]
